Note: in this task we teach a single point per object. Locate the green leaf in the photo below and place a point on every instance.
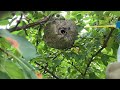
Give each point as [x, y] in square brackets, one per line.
[115, 48]
[27, 50]
[89, 42]
[73, 72]
[99, 13]
[4, 75]
[12, 70]
[29, 73]
[27, 64]
[4, 22]
[69, 69]
[117, 13]
[110, 43]
[92, 75]
[105, 59]
[57, 62]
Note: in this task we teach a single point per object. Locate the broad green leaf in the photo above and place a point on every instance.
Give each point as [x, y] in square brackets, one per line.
[73, 72]
[29, 73]
[26, 49]
[69, 69]
[92, 75]
[4, 75]
[12, 70]
[105, 59]
[4, 22]
[115, 48]
[110, 43]
[27, 64]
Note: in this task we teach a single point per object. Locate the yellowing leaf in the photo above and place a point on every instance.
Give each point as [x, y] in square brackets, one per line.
[39, 75]
[25, 48]
[13, 42]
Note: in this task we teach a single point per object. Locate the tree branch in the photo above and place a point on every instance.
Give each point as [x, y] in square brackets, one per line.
[76, 68]
[103, 46]
[18, 22]
[31, 24]
[50, 72]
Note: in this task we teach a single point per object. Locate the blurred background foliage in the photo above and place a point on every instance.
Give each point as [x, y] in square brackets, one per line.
[93, 49]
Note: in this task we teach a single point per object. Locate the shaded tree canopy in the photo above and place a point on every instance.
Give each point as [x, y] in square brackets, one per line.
[25, 55]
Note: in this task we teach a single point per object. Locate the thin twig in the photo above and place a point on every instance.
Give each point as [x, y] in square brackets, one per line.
[18, 22]
[45, 68]
[37, 35]
[56, 56]
[50, 72]
[76, 68]
[103, 46]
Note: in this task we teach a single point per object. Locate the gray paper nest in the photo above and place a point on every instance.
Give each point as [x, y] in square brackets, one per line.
[60, 34]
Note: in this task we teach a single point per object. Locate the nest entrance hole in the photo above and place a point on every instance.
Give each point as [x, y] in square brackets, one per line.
[63, 31]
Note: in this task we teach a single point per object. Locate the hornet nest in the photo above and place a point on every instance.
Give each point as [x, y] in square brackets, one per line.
[60, 34]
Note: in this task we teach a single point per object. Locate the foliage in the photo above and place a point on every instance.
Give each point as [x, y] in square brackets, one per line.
[24, 54]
